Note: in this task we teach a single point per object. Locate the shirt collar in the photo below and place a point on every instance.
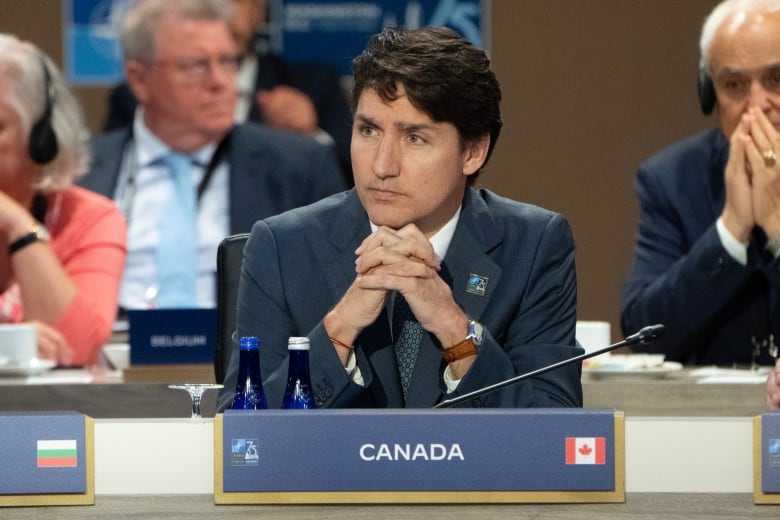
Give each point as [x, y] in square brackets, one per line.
[151, 149]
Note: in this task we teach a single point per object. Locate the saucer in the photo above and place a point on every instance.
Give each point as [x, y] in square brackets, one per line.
[33, 368]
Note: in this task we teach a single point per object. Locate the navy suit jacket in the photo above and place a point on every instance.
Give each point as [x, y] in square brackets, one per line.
[270, 171]
[681, 275]
[299, 264]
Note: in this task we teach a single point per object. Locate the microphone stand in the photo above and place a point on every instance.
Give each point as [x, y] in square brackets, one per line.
[645, 335]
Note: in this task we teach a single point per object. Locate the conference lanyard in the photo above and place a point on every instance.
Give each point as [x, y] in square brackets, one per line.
[126, 191]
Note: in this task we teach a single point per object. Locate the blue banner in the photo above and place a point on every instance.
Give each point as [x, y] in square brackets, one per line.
[331, 31]
[43, 453]
[418, 450]
[325, 31]
[91, 33]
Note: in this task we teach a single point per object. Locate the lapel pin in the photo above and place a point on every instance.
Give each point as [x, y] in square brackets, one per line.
[477, 284]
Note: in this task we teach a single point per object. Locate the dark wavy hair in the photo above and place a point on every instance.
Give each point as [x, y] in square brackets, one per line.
[443, 75]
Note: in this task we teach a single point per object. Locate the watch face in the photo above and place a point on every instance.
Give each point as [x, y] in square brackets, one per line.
[42, 233]
[476, 332]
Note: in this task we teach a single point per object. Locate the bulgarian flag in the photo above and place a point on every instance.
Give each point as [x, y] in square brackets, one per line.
[57, 454]
[585, 450]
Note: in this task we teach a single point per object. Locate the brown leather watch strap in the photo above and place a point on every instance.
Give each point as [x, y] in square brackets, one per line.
[462, 350]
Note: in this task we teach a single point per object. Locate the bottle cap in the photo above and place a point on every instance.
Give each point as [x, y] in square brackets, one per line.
[249, 343]
[298, 343]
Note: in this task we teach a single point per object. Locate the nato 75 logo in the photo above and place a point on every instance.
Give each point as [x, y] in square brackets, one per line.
[243, 452]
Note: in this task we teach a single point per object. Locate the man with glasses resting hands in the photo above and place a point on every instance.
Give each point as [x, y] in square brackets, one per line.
[181, 62]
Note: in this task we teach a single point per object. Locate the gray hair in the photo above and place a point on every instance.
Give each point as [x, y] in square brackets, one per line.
[725, 11]
[21, 64]
[140, 24]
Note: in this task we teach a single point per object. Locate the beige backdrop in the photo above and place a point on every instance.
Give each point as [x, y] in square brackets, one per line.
[591, 88]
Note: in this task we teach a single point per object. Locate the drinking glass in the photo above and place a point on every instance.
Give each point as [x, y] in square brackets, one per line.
[196, 391]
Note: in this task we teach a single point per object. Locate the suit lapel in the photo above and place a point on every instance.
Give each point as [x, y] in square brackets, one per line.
[376, 341]
[470, 272]
[717, 166]
[348, 230]
[106, 167]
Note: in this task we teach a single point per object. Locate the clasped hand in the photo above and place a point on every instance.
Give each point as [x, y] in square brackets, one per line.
[753, 181]
[398, 260]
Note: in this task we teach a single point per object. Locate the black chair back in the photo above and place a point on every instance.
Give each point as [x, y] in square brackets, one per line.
[230, 253]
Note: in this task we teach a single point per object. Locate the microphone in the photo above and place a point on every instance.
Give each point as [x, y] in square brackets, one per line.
[645, 335]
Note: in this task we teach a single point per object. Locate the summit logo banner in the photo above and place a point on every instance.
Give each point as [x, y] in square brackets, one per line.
[243, 452]
[585, 450]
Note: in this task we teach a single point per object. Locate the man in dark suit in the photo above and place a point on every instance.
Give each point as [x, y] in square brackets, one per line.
[415, 287]
[705, 262]
[236, 174]
[305, 98]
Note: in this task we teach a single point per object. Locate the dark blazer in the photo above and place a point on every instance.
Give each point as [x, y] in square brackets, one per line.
[681, 275]
[320, 82]
[271, 171]
[299, 264]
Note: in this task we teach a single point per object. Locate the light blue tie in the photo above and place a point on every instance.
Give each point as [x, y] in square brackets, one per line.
[177, 260]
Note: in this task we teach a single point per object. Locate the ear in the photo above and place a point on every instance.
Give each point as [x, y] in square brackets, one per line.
[137, 78]
[474, 154]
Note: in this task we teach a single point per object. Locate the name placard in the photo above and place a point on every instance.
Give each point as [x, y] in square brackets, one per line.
[343, 456]
[47, 459]
[766, 458]
[172, 336]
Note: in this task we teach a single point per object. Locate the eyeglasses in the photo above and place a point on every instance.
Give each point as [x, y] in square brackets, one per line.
[736, 84]
[199, 68]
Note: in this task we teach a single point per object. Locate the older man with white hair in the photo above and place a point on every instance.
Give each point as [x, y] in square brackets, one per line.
[706, 256]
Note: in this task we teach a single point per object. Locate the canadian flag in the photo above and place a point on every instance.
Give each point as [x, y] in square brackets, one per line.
[585, 450]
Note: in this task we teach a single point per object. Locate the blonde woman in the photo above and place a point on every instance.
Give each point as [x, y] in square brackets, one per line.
[62, 248]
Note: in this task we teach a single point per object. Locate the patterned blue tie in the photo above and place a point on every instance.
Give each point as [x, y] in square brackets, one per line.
[178, 245]
[407, 337]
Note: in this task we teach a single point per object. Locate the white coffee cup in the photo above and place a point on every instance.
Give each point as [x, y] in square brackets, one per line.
[593, 335]
[18, 344]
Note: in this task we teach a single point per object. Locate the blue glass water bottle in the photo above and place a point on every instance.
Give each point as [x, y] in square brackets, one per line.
[298, 394]
[249, 387]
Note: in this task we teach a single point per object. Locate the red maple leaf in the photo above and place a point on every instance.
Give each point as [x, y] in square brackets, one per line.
[585, 449]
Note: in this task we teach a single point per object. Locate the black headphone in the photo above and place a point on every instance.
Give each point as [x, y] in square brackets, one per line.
[43, 146]
[706, 91]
